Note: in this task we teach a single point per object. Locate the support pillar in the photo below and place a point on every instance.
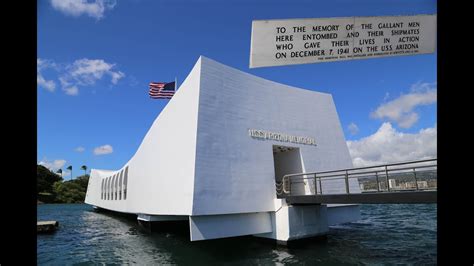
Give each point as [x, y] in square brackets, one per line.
[292, 222]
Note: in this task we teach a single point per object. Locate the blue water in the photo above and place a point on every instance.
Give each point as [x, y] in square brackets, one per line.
[386, 234]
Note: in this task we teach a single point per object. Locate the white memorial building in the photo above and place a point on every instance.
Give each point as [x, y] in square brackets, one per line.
[214, 154]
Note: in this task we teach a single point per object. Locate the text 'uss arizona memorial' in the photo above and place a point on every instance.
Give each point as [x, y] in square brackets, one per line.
[262, 134]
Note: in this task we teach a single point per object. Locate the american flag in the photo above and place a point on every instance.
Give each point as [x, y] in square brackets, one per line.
[162, 90]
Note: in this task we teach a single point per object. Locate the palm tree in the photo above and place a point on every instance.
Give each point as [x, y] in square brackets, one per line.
[85, 169]
[60, 171]
[70, 168]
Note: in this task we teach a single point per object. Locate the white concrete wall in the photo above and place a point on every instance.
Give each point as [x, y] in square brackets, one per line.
[296, 222]
[161, 173]
[93, 193]
[219, 226]
[307, 221]
[234, 172]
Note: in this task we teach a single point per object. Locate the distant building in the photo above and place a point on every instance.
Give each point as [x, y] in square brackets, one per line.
[392, 183]
[433, 183]
[410, 185]
[422, 184]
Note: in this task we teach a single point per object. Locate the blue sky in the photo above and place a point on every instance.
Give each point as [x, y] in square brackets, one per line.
[96, 58]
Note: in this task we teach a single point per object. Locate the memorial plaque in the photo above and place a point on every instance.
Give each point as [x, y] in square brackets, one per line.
[303, 41]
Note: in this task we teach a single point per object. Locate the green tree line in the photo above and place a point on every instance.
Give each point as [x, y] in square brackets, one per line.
[52, 188]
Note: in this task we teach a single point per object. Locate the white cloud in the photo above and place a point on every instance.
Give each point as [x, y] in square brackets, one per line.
[49, 85]
[402, 109]
[77, 8]
[388, 145]
[45, 63]
[73, 91]
[64, 81]
[406, 121]
[88, 71]
[105, 149]
[116, 76]
[82, 72]
[41, 64]
[52, 165]
[85, 72]
[66, 175]
[80, 149]
[353, 128]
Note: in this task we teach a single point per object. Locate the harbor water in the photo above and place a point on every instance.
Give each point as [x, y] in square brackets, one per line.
[386, 234]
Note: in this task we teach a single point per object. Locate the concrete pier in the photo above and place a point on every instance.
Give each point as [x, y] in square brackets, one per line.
[46, 226]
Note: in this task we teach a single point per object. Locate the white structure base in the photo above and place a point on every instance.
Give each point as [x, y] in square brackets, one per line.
[220, 226]
[286, 224]
[298, 222]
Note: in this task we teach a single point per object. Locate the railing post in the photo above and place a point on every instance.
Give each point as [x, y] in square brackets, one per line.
[377, 178]
[315, 186]
[289, 186]
[320, 187]
[347, 182]
[386, 178]
[284, 182]
[414, 174]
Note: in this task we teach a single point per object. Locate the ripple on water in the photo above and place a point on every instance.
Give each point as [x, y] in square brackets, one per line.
[386, 234]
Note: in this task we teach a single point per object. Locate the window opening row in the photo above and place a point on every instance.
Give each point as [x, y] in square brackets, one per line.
[115, 187]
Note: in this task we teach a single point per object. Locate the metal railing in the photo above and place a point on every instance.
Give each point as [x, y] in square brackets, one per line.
[411, 176]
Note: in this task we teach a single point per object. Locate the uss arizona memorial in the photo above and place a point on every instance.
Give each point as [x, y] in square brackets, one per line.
[218, 149]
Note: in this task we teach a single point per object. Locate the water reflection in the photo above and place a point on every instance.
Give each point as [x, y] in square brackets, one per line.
[386, 234]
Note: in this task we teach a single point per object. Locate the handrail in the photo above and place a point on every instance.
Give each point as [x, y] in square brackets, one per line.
[365, 167]
[349, 173]
[363, 173]
[381, 170]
